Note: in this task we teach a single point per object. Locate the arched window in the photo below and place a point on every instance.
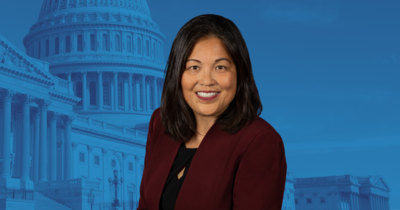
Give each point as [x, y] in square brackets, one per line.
[57, 46]
[120, 93]
[117, 43]
[92, 91]
[128, 44]
[39, 50]
[47, 48]
[80, 43]
[79, 92]
[68, 44]
[106, 93]
[105, 42]
[139, 46]
[147, 48]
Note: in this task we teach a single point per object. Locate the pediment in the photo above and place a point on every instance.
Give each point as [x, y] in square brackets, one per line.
[381, 183]
[16, 62]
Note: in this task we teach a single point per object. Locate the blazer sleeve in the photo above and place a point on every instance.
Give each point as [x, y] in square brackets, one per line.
[261, 174]
[142, 200]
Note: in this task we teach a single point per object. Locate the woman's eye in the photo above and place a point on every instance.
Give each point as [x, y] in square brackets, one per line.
[221, 67]
[194, 67]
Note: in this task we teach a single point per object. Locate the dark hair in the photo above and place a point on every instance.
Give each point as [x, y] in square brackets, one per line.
[177, 117]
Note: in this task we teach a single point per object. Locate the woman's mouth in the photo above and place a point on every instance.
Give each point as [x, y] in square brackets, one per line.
[207, 96]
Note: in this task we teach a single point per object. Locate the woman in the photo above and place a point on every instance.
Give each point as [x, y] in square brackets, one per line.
[207, 147]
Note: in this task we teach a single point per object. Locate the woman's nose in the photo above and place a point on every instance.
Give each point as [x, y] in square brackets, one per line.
[207, 77]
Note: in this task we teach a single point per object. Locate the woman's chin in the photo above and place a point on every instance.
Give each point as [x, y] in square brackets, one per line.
[207, 112]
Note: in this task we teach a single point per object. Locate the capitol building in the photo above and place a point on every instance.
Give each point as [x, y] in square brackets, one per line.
[75, 108]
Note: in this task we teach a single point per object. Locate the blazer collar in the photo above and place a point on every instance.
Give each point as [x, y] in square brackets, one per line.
[171, 149]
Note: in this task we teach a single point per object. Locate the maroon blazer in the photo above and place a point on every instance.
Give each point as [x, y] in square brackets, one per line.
[243, 171]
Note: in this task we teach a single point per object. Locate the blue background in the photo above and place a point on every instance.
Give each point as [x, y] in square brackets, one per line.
[327, 71]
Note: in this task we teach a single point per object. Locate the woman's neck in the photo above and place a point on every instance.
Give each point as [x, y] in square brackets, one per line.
[203, 124]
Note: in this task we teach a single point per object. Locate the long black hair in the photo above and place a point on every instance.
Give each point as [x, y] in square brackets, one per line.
[177, 117]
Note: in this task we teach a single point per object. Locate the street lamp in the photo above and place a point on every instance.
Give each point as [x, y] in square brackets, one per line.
[116, 181]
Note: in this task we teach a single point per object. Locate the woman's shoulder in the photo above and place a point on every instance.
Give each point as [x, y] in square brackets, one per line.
[155, 120]
[258, 125]
[260, 128]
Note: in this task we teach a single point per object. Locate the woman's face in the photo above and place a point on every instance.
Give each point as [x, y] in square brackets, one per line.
[209, 79]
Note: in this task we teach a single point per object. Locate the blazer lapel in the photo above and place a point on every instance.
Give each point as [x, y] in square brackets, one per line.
[164, 153]
[205, 171]
[211, 153]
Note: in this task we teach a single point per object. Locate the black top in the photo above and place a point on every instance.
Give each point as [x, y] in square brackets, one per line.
[173, 184]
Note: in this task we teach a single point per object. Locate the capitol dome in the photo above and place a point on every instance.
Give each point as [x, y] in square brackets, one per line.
[110, 51]
[52, 8]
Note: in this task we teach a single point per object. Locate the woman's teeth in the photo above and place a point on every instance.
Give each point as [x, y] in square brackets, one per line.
[203, 94]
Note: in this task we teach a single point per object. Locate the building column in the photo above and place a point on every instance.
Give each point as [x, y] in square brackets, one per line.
[137, 173]
[105, 183]
[43, 105]
[84, 92]
[36, 142]
[383, 202]
[90, 150]
[60, 153]
[70, 84]
[378, 204]
[53, 145]
[7, 96]
[100, 91]
[68, 119]
[115, 90]
[378, 199]
[351, 201]
[130, 92]
[124, 168]
[373, 202]
[357, 205]
[387, 203]
[155, 93]
[27, 100]
[144, 93]
[74, 155]
[358, 201]
[148, 108]
[137, 94]
[343, 202]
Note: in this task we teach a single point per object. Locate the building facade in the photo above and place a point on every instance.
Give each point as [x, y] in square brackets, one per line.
[75, 107]
[288, 196]
[342, 193]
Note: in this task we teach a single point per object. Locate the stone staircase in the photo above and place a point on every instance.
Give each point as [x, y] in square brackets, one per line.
[45, 203]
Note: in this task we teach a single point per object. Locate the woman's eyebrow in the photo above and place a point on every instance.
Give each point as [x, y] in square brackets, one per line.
[216, 61]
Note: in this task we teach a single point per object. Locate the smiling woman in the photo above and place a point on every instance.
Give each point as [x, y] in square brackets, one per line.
[209, 121]
[209, 84]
